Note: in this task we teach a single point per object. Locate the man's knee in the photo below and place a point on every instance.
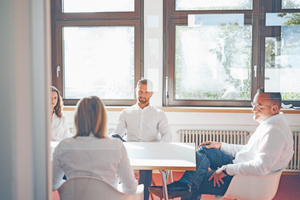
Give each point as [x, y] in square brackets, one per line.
[203, 149]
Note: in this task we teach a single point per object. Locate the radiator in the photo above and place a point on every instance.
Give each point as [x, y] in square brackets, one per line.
[294, 163]
[200, 136]
[235, 137]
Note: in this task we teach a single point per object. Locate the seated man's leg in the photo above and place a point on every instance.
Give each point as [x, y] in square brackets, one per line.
[146, 179]
[206, 158]
[192, 180]
[207, 187]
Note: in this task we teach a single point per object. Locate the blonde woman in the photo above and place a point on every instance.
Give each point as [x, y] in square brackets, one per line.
[59, 125]
[90, 152]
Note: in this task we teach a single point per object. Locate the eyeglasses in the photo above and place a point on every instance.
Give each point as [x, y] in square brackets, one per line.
[258, 106]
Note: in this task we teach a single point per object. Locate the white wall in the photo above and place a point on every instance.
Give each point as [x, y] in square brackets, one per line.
[23, 106]
[204, 121]
[153, 47]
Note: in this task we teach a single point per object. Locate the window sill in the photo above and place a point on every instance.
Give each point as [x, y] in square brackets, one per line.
[192, 109]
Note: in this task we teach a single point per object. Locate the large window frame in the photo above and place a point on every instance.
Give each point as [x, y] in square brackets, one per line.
[60, 20]
[255, 17]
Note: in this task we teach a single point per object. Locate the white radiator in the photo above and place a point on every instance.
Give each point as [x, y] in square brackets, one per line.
[294, 164]
[235, 137]
[200, 136]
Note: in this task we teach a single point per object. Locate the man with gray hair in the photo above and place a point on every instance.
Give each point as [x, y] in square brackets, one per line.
[268, 150]
[143, 122]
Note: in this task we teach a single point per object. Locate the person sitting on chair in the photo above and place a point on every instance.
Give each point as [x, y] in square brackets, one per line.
[59, 125]
[268, 150]
[91, 152]
[144, 123]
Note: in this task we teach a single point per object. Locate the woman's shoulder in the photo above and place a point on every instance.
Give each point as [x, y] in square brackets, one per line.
[105, 140]
[65, 142]
[115, 141]
[62, 117]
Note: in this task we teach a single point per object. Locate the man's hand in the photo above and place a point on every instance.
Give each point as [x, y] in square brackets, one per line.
[217, 176]
[216, 145]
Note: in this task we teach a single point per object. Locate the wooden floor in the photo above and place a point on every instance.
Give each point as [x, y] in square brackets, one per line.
[289, 187]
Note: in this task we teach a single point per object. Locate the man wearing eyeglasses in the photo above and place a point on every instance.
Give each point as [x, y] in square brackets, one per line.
[269, 149]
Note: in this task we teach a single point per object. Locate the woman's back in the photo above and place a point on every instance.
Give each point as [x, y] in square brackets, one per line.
[90, 156]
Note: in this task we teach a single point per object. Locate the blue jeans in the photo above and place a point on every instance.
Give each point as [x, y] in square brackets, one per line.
[208, 158]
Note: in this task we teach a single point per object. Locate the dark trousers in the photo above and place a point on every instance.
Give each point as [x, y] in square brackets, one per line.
[146, 179]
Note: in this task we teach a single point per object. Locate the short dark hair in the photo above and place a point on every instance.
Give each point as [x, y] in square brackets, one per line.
[275, 97]
[145, 82]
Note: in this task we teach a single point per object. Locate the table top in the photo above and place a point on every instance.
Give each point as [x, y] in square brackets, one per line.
[161, 156]
[158, 156]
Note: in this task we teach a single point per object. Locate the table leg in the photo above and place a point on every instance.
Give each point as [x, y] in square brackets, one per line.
[169, 174]
[164, 181]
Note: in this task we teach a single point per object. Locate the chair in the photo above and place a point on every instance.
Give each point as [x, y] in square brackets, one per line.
[253, 187]
[92, 188]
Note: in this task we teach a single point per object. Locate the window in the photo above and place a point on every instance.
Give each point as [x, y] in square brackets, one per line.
[218, 53]
[97, 49]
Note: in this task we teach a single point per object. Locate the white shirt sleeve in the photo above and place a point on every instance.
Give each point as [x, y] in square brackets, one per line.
[126, 173]
[67, 133]
[269, 151]
[121, 125]
[58, 172]
[164, 129]
[231, 149]
[59, 128]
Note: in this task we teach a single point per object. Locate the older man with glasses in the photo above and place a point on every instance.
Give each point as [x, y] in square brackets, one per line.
[269, 149]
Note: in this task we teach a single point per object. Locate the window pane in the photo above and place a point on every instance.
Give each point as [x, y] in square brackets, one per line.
[290, 4]
[79, 6]
[213, 62]
[282, 63]
[282, 19]
[213, 5]
[99, 61]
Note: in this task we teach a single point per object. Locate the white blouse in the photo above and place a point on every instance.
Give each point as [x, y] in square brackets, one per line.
[105, 158]
[59, 128]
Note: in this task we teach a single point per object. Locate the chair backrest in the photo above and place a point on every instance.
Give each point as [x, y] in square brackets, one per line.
[91, 188]
[254, 187]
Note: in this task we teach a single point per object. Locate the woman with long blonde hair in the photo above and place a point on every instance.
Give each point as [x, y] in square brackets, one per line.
[90, 152]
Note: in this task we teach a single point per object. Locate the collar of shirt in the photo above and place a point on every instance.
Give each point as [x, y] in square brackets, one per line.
[90, 137]
[272, 118]
[138, 107]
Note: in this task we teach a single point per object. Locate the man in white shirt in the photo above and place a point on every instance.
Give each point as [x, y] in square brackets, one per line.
[143, 123]
[269, 149]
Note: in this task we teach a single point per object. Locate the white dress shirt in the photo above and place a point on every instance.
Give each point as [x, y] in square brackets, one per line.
[269, 149]
[143, 125]
[59, 128]
[105, 158]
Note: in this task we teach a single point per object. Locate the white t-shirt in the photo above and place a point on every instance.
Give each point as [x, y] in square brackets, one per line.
[269, 149]
[59, 128]
[144, 125]
[105, 158]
